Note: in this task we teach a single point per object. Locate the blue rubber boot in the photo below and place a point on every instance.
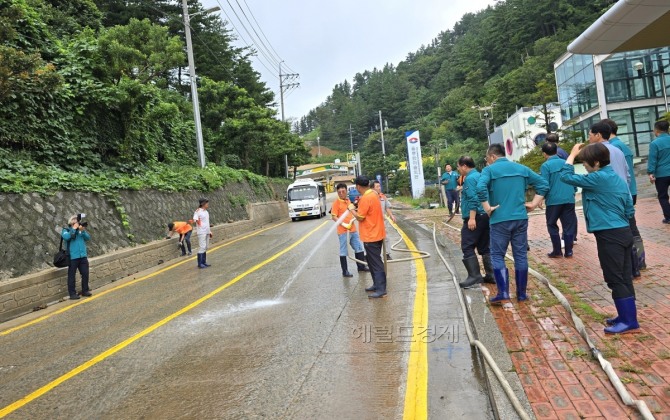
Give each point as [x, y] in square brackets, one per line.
[502, 282]
[200, 264]
[521, 277]
[204, 259]
[627, 319]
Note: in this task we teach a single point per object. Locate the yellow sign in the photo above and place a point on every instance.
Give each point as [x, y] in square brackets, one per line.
[403, 166]
[351, 157]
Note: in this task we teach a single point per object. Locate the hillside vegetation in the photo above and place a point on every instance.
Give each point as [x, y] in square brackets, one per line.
[101, 89]
[502, 55]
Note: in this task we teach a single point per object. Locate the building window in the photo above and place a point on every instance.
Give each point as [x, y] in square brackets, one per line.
[636, 126]
[623, 83]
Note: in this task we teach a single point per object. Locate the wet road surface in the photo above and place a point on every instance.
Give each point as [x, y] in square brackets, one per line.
[270, 330]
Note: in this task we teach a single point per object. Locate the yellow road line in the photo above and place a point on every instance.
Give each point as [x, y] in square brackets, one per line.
[101, 294]
[416, 392]
[102, 356]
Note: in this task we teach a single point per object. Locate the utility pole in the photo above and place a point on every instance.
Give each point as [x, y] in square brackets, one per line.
[485, 114]
[194, 81]
[381, 130]
[351, 139]
[282, 88]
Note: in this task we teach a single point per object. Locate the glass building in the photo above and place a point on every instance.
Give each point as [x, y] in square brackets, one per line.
[626, 87]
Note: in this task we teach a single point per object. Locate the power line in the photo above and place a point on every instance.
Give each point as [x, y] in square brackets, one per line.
[258, 48]
[266, 38]
[267, 50]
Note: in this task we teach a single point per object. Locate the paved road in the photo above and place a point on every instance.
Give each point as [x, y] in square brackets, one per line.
[271, 330]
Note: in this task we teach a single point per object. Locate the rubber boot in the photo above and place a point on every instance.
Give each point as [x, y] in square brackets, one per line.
[488, 269]
[502, 282]
[556, 245]
[627, 319]
[521, 278]
[200, 264]
[569, 241]
[375, 283]
[204, 259]
[183, 249]
[345, 270]
[474, 275]
[635, 262]
[361, 267]
[381, 286]
[639, 245]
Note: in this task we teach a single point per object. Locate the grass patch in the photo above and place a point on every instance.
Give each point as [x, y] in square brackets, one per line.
[627, 367]
[610, 350]
[643, 337]
[578, 353]
[627, 380]
[663, 355]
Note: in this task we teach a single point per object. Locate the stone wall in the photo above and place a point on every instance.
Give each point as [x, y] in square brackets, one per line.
[33, 222]
[20, 295]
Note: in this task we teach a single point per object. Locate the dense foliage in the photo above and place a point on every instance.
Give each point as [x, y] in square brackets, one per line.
[102, 87]
[502, 55]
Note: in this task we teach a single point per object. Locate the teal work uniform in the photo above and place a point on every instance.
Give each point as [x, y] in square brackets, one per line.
[605, 197]
[628, 154]
[452, 180]
[469, 200]
[77, 241]
[559, 191]
[504, 183]
[659, 156]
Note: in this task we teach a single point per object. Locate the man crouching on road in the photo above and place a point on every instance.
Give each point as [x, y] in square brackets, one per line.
[371, 224]
[347, 228]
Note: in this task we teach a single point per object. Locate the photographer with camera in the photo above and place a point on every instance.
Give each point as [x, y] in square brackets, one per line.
[77, 236]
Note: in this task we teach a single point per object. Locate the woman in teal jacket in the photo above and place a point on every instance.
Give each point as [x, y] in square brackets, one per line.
[608, 206]
[76, 237]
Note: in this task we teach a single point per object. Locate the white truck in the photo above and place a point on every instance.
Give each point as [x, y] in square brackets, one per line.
[306, 198]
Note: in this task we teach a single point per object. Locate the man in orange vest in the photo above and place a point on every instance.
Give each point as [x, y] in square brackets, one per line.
[371, 225]
[346, 228]
[184, 229]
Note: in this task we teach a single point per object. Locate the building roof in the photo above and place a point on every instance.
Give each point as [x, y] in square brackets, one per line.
[627, 26]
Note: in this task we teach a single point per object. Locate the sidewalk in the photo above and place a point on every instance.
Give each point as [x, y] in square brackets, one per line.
[560, 377]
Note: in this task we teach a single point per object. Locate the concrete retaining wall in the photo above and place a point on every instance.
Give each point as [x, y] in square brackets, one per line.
[20, 295]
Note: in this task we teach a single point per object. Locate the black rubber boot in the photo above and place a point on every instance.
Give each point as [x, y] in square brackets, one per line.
[635, 262]
[345, 270]
[474, 275]
[361, 267]
[639, 245]
[556, 245]
[488, 269]
[569, 241]
[381, 286]
[375, 283]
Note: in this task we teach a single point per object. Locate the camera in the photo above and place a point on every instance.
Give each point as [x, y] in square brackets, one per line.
[82, 216]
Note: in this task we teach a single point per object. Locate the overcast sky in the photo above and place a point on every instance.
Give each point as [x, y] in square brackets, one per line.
[327, 42]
